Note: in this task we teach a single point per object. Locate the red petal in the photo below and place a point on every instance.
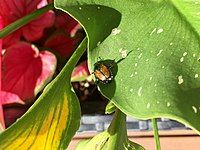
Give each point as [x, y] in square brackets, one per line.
[34, 30]
[25, 69]
[12, 38]
[48, 69]
[62, 43]
[11, 10]
[66, 22]
[80, 72]
[9, 98]
[2, 124]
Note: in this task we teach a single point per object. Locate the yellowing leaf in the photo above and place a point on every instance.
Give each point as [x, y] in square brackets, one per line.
[54, 118]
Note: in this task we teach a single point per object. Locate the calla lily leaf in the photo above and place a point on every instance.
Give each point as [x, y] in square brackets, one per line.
[155, 44]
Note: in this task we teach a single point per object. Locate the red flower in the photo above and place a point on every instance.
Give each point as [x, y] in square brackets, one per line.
[81, 72]
[12, 10]
[63, 40]
[67, 23]
[62, 43]
[26, 70]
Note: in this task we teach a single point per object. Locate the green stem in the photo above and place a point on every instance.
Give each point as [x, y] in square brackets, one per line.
[77, 54]
[24, 20]
[118, 123]
[70, 65]
[156, 135]
[118, 131]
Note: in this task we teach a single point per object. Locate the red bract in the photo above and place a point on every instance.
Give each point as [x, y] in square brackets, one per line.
[26, 70]
[2, 126]
[67, 23]
[81, 72]
[63, 40]
[11, 10]
[7, 98]
[62, 43]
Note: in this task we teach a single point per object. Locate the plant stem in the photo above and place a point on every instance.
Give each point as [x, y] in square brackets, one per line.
[70, 65]
[156, 135]
[118, 131]
[118, 123]
[24, 20]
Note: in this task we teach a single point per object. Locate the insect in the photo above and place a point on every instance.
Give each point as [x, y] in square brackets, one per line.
[103, 72]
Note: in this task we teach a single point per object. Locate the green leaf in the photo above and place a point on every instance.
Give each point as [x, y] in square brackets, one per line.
[160, 77]
[110, 108]
[53, 119]
[114, 138]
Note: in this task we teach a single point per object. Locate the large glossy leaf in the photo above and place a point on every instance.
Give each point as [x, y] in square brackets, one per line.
[53, 119]
[160, 43]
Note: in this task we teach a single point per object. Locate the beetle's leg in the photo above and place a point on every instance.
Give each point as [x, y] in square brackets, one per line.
[111, 65]
[99, 59]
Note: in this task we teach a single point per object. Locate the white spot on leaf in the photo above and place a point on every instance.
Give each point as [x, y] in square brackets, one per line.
[159, 52]
[168, 104]
[160, 31]
[139, 91]
[136, 64]
[150, 78]
[131, 90]
[171, 44]
[140, 55]
[123, 53]
[98, 43]
[131, 75]
[115, 31]
[194, 109]
[148, 105]
[153, 31]
[180, 79]
[182, 59]
[196, 76]
[184, 54]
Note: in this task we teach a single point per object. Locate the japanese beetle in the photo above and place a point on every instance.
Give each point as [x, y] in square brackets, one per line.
[102, 72]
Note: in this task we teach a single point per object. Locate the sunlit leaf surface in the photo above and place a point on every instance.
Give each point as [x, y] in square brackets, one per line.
[156, 47]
